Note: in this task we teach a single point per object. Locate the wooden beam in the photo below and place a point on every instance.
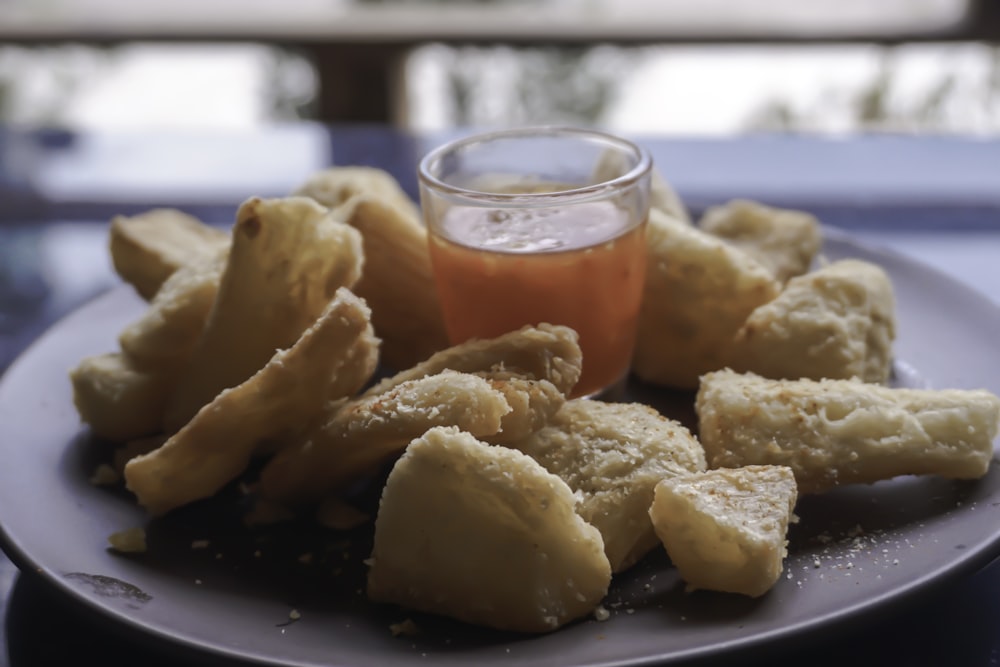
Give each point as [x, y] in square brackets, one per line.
[358, 82]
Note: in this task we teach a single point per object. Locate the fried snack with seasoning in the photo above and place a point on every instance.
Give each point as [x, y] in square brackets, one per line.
[397, 281]
[612, 455]
[147, 248]
[133, 448]
[485, 535]
[838, 322]
[166, 334]
[288, 258]
[334, 186]
[662, 195]
[543, 352]
[218, 444]
[116, 400]
[837, 432]
[532, 404]
[784, 240]
[726, 530]
[534, 368]
[699, 292]
[336, 514]
[362, 435]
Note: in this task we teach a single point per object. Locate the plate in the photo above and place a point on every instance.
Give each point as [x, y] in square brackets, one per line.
[294, 595]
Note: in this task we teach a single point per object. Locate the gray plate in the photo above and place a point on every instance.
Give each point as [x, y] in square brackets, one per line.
[855, 551]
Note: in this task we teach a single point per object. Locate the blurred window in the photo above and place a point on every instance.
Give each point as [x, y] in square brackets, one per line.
[713, 89]
[670, 66]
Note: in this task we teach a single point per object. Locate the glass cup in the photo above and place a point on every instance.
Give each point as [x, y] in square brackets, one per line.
[542, 225]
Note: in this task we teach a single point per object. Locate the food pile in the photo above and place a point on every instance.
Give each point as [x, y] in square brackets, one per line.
[307, 344]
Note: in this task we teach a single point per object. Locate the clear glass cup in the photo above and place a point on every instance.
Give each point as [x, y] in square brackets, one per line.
[542, 225]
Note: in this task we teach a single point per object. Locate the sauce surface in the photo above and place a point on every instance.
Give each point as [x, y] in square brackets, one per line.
[582, 267]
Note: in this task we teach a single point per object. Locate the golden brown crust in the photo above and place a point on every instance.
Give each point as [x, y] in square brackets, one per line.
[484, 534]
[147, 248]
[217, 445]
[699, 292]
[336, 185]
[118, 401]
[612, 455]
[785, 241]
[725, 530]
[543, 352]
[837, 322]
[165, 336]
[288, 258]
[835, 432]
[361, 435]
[532, 403]
[397, 281]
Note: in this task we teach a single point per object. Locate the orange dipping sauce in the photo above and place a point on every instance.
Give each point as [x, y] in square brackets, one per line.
[583, 266]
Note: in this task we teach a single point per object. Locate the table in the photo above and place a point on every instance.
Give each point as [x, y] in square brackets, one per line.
[937, 199]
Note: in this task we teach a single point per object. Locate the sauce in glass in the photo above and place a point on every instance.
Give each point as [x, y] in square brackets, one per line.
[582, 266]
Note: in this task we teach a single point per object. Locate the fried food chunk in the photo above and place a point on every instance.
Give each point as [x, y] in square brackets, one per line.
[165, 336]
[534, 368]
[662, 195]
[288, 258]
[397, 281]
[334, 186]
[835, 432]
[699, 292]
[836, 322]
[116, 400]
[544, 352]
[485, 535]
[128, 541]
[218, 444]
[365, 433]
[133, 448]
[532, 404]
[784, 240]
[612, 455]
[725, 530]
[147, 248]
[336, 514]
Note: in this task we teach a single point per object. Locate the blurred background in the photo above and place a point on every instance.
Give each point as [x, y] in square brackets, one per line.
[696, 67]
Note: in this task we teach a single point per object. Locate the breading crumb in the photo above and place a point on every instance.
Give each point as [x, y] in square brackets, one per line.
[130, 540]
[406, 628]
[104, 475]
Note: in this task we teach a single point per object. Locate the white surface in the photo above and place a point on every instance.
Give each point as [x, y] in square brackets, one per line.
[972, 258]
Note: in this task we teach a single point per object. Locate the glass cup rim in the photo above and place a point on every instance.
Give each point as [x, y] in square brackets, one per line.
[643, 167]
